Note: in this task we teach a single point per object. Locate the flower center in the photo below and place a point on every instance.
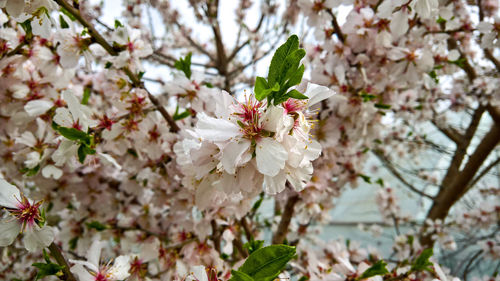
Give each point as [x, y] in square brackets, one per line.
[26, 213]
[249, 113]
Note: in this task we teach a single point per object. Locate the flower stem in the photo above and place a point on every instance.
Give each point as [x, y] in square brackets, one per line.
[56, 253]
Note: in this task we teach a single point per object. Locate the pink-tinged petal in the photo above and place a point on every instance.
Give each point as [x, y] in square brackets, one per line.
[270, 156]
[213, 129]
[9, 229]
[36, 238]
[232, 155]
[276, 184]
[9, 195]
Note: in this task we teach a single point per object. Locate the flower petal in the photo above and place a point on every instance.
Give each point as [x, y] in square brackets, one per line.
[276, 184]
[232, 155]
[213, 129]
[317, 93]
[36, 238]
[8, 232]
[9, 195]
[119, 270]
[37, 107]
[270, 156]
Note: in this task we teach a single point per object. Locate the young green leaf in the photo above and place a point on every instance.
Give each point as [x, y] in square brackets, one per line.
[253, 245]
[63, 22]
[86, 95]
[83, 151]
[267, 263]
[47, 269]
[96, 225]
[279, 57]
[240, 276]
[422, 262]
[297, 95]
[291, 65]
[260, 86]
[184, 65]
[73, 134]
[295, 78]
[379, 268]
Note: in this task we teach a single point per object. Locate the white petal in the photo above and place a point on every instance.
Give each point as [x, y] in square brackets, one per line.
[27, 138]
[9, 229]
[110, 160]
[37, 107]
[15, 7]
[232, 155]
[213, 129]
[81, 272]
[273, 118]
[199, 272]
[399, 23]
[84, 264]
[63, 117]
[270, 156]
[317, 93]
[276, 184]
[36, 238]
[9, 195]
[120, 268]
[51, 171]
[94, 252]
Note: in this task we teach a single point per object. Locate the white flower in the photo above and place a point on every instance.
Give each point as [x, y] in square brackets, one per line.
[92, 270]
[26, 218]
[76, 115]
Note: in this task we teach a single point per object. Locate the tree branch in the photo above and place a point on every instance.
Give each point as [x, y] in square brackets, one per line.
[286, 218]
[336, 27]
[136, 81]
[56, 253]
[395, 172]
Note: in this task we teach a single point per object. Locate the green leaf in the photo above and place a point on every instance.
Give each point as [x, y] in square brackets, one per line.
[296, 77]
[73, 134]
[260, 86]
[365, 178]
[63, 22]
[184, 65]
[180, 116]
[73, 242]
[86, 95]
[297, 95]
[67, 13]
[83, 151]
[267, 263]
[118, 24]
[96, 225]
[47, 269]
[30, 172]
[240, 276]
[377, 269]
[253, 245]
[290, 65]
[422, 263]
[108, 65]
[279, 57]
[262, 89]
[382, 106]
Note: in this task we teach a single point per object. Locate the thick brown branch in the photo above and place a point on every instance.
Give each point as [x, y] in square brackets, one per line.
[286, 218]
[460, 184]
[450, 132]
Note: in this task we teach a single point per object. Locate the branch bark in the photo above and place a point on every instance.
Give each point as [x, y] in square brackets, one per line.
[286, 218]
[56, 253]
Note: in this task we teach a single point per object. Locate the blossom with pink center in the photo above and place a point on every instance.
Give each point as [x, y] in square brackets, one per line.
[92, 270]
[25, 217]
